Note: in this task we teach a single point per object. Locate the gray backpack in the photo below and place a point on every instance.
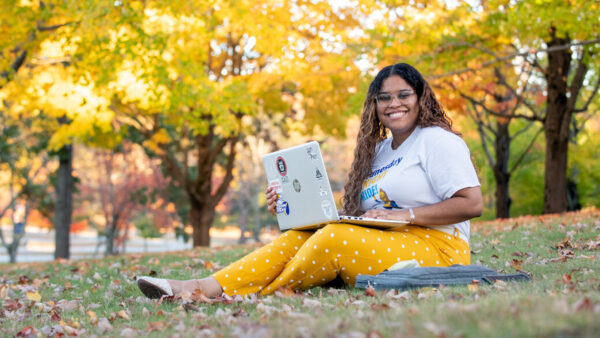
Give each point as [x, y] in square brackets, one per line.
[435, 276]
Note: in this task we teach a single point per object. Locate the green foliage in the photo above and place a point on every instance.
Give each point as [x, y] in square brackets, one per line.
[146, 226]
[584, 162]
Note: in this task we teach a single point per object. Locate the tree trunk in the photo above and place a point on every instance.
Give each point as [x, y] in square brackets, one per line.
[110, 240]
[556, 128]
[243, 224]
[257, 223]
[244, 214]
[64, 192]
[573, 203]
[201, 217]
[501, 173]
[12, 251]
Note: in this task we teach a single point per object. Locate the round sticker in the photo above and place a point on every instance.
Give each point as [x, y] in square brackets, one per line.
[281, 166]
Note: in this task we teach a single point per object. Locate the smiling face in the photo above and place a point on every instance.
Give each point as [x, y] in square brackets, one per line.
[400, 114]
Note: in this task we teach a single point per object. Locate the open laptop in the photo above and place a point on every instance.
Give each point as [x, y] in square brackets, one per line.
[305, 198]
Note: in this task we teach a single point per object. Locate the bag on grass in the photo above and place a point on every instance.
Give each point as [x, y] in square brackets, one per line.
[435, 276]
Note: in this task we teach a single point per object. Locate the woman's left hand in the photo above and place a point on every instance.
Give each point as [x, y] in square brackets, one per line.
[396, 215]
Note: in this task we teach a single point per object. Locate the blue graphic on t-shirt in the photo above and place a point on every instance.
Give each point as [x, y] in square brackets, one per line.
[369, 192]
[387, 203]
[382, 169]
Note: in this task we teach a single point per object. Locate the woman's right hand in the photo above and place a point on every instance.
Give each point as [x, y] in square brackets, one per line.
[271, 200]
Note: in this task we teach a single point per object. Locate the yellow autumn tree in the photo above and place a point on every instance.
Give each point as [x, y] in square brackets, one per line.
[188, 79]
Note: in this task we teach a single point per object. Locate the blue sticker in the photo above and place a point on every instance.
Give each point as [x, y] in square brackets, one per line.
[283, 207]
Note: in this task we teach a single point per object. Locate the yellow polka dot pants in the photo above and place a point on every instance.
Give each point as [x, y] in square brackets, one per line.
[303, 259]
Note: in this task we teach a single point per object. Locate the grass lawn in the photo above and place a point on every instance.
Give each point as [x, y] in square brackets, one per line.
[99, 297]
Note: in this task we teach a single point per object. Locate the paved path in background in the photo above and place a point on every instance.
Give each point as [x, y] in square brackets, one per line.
[38, 244]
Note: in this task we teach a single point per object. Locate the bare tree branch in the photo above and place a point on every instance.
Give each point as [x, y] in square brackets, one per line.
[499, 59]
[520, 159]
[577, 82]
[42, 28]
[589, 100]
[222, 189]
[520, 99]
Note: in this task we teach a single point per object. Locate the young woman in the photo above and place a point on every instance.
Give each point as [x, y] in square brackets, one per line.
[422, 173]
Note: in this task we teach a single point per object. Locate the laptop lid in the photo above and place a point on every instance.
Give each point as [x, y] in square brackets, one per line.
[299, 177]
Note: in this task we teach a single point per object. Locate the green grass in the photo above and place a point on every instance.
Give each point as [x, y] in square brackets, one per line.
[100, 297]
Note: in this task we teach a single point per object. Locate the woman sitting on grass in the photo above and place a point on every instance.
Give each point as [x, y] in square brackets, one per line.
[422, 174]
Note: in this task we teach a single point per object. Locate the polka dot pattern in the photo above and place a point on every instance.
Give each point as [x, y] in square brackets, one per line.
[337, 249]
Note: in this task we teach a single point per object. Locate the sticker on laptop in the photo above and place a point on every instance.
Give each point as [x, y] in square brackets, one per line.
[318, 174]
[281, 166]
[327, 208]
[296, 184]
[276, 185]
[322, 191]
[283, 207]
[312, 154]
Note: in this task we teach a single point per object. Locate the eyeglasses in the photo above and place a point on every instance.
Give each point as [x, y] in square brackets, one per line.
[384, 100]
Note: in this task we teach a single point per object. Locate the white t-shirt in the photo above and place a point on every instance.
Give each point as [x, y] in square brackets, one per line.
[428, 167]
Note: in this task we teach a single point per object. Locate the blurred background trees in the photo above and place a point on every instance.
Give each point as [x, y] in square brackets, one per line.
[144, 112]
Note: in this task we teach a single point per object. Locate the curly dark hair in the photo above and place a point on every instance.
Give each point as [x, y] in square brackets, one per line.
[372, 131]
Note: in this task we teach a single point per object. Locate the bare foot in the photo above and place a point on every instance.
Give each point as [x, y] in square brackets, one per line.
[209, 286]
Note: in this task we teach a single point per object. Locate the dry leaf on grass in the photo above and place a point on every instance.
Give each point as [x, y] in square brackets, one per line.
[124, 315]
[156, 326]
[284, 292]
[4, 292]
[370, 292]
[311, 303]
[394, 294]
[34, 296]
[28, 331]
[104, 325]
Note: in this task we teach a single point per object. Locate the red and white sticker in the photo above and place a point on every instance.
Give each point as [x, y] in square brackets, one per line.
[281, 166]
[276, 185]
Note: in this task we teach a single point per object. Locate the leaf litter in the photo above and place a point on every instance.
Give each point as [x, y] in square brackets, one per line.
[87, 297]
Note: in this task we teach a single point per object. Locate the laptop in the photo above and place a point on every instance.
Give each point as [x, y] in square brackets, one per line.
[305, 200]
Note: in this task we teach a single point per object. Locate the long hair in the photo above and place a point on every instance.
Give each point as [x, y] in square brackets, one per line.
[372, 131]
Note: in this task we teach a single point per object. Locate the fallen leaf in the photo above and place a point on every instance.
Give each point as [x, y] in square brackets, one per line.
[104, 325]
[187, 306]
[565, 243]
[34, 296]
[123, 315]
[128, 332]
[394, 294]
[582, 304]
[71, 331]
[370, 291]
[516, 264]
[156, 326]
[67, 305]
[311, 303]
[474, 286]
[28, 331]
[11, 305]
[284, 292]
[566, 278]
[93, 317]
[55, 316]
